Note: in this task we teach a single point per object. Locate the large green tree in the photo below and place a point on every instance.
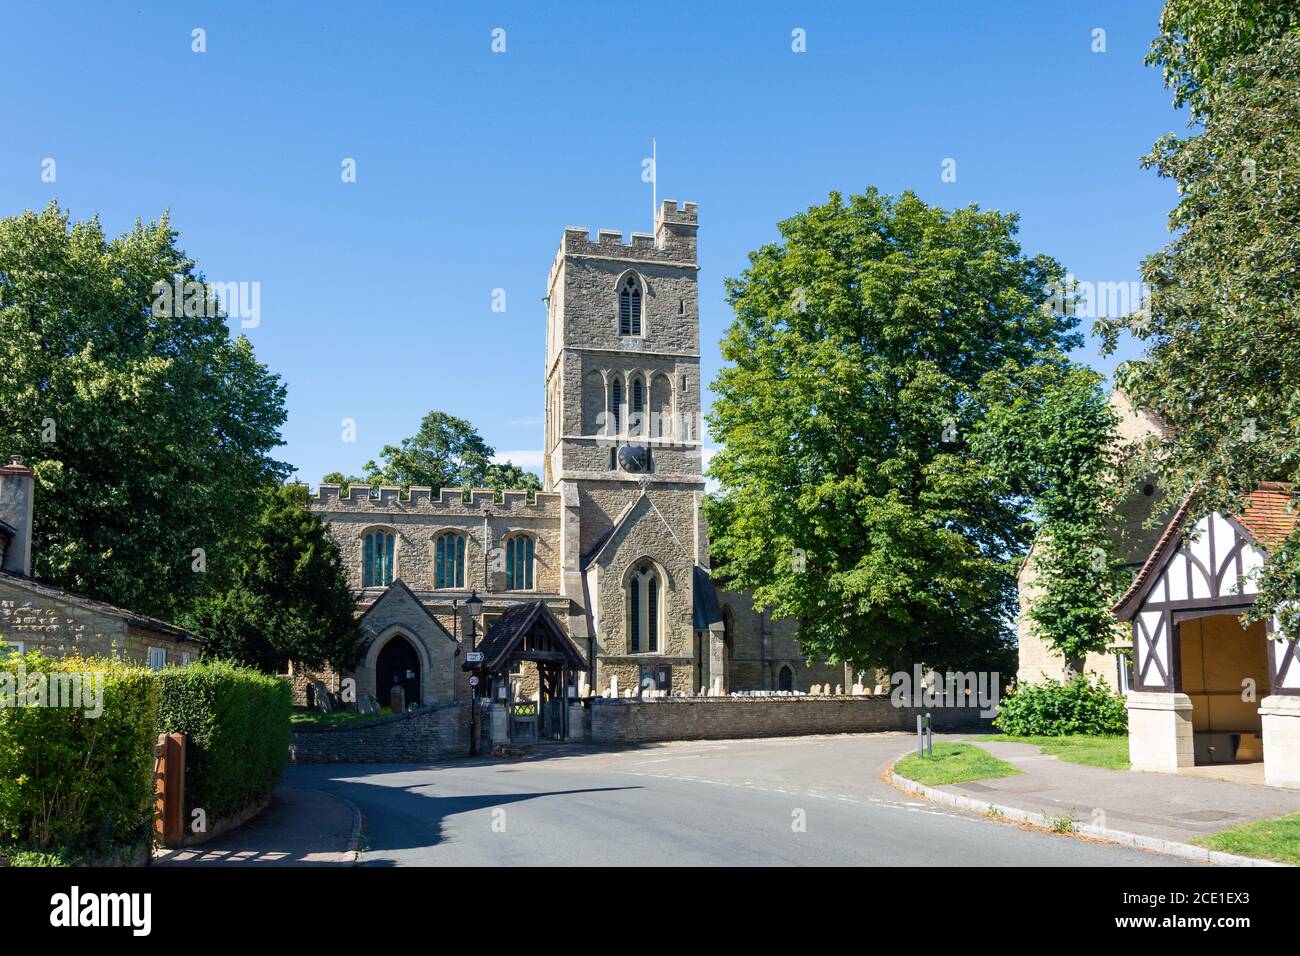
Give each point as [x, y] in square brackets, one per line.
[289, 600]
[149, 429]
[857, 361]
[446, 452]
[1050, 435]
[1222, 327]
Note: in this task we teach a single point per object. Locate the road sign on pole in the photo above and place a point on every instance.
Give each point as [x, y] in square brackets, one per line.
[474, 657]
[473, 680]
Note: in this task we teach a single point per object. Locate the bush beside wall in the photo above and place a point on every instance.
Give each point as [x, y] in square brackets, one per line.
[236, 721]
[71, 783]
[1053, 709]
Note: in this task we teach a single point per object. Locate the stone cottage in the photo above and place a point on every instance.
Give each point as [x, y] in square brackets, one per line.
[57, 623]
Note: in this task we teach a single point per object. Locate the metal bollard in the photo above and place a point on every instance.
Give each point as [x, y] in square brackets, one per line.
[929, 737]
[920, 738]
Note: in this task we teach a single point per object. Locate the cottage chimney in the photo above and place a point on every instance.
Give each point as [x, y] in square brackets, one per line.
[17, 491]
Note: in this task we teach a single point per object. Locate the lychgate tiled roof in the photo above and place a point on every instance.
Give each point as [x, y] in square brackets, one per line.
[1268, 515]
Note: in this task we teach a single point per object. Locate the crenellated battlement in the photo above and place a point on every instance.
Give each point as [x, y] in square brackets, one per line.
[673, 240]
[670, 211]
[449, 501]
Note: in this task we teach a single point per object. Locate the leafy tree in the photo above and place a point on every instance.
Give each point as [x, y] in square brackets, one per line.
[446, 452]
[1222, 363]
[290, 600]
[1200, 40]
[510, 477]
[849, 497]
[148, 428]
[1050, 434]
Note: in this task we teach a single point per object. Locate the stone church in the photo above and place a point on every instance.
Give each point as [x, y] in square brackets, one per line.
[615, 545]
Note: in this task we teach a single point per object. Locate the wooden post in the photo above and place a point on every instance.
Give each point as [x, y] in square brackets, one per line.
[169, 789]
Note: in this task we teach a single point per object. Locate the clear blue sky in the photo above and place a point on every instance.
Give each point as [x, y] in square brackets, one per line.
[376, 295]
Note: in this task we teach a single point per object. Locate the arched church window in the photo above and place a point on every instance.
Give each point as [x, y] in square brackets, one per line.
[449, 561]
[785, 680]
[637, 413]
[377, 553]
[644, 609]
[616, 404]
[629, 306]
[519, 563]
[729, 631]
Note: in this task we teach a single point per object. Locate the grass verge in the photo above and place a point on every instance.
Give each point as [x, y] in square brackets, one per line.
[1277, 839]
[953, 763]
[314, 718]
[1108, 752]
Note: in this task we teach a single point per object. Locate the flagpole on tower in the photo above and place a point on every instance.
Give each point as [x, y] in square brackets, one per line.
[654, 184]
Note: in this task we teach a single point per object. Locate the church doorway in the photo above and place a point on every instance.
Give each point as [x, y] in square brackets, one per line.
[785, 680]
[398, 666]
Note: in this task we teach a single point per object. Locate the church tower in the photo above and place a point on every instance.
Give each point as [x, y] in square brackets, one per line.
[623, 448]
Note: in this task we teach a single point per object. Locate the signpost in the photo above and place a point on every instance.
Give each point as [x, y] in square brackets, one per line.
[473, 605]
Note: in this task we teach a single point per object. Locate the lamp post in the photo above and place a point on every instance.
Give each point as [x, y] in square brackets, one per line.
[473, 605]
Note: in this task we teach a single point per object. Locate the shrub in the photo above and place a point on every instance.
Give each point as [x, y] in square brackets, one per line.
[72, 781]
[1053, 709]
[236, 722]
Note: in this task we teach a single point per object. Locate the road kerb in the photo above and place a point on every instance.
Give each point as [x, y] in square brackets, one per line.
[1169, 847]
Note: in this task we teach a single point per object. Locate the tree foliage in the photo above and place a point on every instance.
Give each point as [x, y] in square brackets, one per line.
[858, 358]
[290, 599]
[1222, 331]
[1201, 40]
[148, 433]
[446, 452]
[1050, 434]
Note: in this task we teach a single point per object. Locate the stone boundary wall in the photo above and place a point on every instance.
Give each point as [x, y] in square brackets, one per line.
[426, 734]
[718, 718]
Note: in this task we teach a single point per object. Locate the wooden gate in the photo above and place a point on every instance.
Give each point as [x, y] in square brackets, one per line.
[169, 789]
[523, 721]
[553, 720]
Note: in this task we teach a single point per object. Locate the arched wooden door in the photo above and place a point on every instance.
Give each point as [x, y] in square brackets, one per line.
[398, 664]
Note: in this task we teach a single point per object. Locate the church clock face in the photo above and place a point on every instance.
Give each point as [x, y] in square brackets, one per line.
[633, 458]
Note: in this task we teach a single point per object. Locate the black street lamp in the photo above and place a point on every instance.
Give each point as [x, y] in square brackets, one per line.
[473, 605]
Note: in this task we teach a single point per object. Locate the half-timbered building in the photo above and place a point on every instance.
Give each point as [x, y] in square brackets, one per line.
[1205, 687]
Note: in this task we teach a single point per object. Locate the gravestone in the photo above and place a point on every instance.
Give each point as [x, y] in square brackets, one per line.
[322, 696]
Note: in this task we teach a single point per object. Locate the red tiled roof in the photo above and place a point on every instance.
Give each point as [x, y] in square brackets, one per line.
[1269, 516]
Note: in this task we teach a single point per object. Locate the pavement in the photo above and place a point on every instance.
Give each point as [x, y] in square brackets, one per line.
[792, 801]
[771, 802]
[1163, 806]
[298, 828]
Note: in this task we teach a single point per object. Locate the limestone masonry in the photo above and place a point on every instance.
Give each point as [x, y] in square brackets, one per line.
[615, 544]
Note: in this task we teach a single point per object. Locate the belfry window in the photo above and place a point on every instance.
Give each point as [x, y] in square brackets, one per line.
[449, 561]
[519, 563]
[636, 414]
[643, 606]
[616, 405]
[629, 307]
[377, 559]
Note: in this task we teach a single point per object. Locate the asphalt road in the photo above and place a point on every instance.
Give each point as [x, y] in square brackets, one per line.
[773, 802]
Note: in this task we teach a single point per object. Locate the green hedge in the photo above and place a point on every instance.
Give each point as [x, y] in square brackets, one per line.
[236, 721]
[72, 781]
[1053, 709]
